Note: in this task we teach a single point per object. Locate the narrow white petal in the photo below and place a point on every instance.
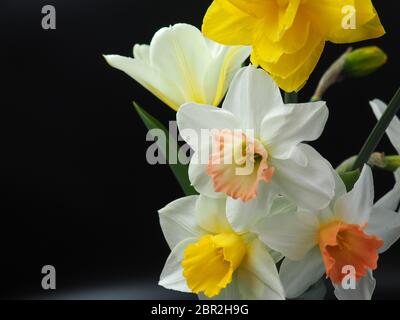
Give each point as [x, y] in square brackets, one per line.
[257, 276]
[286, 127]
[311, 186]
[340, 188]
[181, 53]
[355, 207]
[195, 122]
[385, 224]
[142, 52]
[394, 128]
[211, 214]
[178, 221]
[149, 78]
[172, 275]
[251, 96]
[298, 276]
[292, 234]
[226, 61]
[391, 200]
[364, 289]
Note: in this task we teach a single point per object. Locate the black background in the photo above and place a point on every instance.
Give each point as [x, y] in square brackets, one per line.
[76, 190]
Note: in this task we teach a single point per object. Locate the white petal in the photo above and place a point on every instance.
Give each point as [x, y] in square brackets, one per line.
[298, 276]
[317, 291]
[280, 205]
[286, 127]
[181, 53]
[195, 122]
[199, 178]
[340, 187]
[178, 221]
[251, 96]
[172, 274]
[393, 130]
[310, 186]
[226, 61]
[292, 234]
[364, 289]
[386, 225]
[211, 215]
[355, 207]
[244, 215]
[142, 52]
[257, 276]
[149, 78]
[391, 200]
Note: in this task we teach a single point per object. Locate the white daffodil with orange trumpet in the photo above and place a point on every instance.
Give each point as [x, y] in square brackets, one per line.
[255, 126]
[215, 252]
[350, 233]
[180, 65]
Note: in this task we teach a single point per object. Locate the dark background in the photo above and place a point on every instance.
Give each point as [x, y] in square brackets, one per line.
[76, 190]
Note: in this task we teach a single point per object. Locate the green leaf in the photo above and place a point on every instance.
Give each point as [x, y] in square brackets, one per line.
[180, 170]
[350, 178]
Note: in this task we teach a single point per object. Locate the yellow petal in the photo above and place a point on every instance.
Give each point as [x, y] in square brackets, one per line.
[296, 37]
[252, 7]
[289, 64]
[297, 80]
[227, 24]
[370, 30]
[327, 17]
[287, 15]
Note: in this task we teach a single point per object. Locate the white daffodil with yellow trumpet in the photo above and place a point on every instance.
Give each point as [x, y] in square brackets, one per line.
[180, 65]
[214, 250]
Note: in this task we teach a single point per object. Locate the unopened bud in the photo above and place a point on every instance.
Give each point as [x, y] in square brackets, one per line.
[364, 61]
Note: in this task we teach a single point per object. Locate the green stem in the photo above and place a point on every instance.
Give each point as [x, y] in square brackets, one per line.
[378, 132]
[291, 97]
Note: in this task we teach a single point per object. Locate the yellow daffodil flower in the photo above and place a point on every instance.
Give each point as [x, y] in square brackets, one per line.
[288, 36]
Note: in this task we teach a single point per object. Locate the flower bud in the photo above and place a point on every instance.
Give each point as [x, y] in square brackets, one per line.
[364, 61]
[392, 163]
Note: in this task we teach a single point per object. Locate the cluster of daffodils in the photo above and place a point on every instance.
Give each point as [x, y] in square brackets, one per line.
[293, 205]
[271, 216]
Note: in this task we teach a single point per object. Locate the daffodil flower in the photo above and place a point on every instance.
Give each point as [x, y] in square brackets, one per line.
[181, 65]
[350, 233]
[214, 251]
[288, 36]
[393, 130]
[273, 146]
